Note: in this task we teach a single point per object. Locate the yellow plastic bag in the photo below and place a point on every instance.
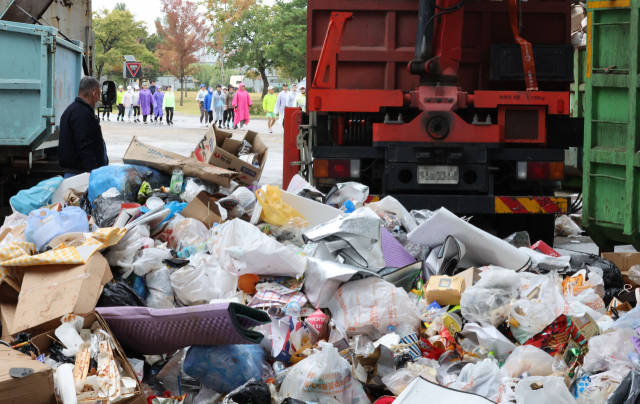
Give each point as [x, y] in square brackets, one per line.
[274, 210]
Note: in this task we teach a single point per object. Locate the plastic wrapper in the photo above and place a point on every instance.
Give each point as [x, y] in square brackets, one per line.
[307, 380]
[170, 374]
[127, 179]
[482, 378]
[392, 205]
[421, 216]
[202, 281]
[291, 232]
[55, 353]
[44, 224]
[599, 388]
[555, 337]
[160, 294]
[538, 389]
[252, 392]
[527, 358]
[25, 349]
[35, 197]
[567, 227]
[106, 210]
[119, 293]
[245, 148]
[342, 192]
[487, 302]
[193, 186]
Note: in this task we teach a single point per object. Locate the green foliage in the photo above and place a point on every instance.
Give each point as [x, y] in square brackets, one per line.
[120, 6]
[289, 48]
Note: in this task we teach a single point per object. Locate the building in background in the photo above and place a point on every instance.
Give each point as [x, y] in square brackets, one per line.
[174, 82]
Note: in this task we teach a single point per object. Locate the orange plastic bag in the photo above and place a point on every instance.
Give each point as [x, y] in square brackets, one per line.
[274, 210]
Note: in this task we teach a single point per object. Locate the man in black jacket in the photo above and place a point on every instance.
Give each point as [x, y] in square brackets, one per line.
[82, 147]
[153, 90]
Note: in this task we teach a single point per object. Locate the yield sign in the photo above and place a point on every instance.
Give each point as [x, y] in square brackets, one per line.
[134, 68]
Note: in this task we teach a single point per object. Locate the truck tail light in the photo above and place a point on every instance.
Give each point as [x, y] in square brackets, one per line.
[336, 168]
[540, 170]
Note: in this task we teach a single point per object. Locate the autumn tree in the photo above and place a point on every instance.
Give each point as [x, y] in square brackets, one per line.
[223, 15]
[184, 34]
[117, 34]
[251, 39]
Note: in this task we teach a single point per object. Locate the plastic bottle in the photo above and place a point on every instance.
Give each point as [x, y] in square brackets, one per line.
[191, 250]
[176, 181]
[293, 310]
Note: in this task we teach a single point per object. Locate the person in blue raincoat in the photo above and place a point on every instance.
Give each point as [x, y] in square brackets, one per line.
[218, 105]
[208, 103]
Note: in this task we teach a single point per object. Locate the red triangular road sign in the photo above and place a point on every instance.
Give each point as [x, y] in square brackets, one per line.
[133, 68]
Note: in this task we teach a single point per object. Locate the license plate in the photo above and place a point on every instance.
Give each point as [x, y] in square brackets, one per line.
[438, 175]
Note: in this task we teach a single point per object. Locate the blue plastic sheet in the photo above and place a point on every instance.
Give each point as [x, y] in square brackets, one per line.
[36, 197]
[224, 367]
[127, 179]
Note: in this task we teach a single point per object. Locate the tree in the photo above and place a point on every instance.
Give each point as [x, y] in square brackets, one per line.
[150, 68]
[116, 35]
[223, 14]
[253, 75]
[289, 50]
[251, 39]
[184, 35]
[120, 6]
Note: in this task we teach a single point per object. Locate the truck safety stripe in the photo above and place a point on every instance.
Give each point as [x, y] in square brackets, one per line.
[531, 204]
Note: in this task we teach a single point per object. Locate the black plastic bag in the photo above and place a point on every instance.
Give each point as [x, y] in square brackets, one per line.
[26, 349]
[56, 353]
[85, 204]
[252, 392]
[628, 392]
[119, 293]
[166, 197]
[611, 275]
[107, 210]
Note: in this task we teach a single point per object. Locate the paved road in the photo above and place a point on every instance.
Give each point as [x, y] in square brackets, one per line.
[183, 136]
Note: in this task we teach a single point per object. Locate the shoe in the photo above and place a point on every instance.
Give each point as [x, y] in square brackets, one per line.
[145, 123]
[160, 122]
[108, 119]
[103, 119]
[235, 127]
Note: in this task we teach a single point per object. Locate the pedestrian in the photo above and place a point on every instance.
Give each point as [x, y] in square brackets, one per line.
[281, 103]
[169, 104]
[127, 100]
[107, 110]
[301, 99]
[241, 103]
[228, 100]
[119, 97]
[268, 105]
[158, 101]
[136, 107]
[200, 100]
[145, 102]
[152, 89]
[218, 105]
[291, 98]
[82, 147]
[207, 104]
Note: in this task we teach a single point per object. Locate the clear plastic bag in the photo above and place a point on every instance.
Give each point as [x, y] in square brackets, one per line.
[610, 352]
[183, 232]
[519, 239]
[532, 317]
[202, 281]
[44, 224]
[193, 186]
[601, 387]
[634, 273]
[160, 294]
[527, 358]
[552, 390]
[397, 381]
[149, 259]
[485, 306]
[482, 378]
[567, 227]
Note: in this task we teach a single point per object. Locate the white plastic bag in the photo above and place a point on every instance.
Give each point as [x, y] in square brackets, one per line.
[183, 232]
[553, 391]
[149, 260]
[242, 248]
[323, 374]
[482, 378]
[202, 281]
[122, 254]
[372, 303]
[609, 352]
[160, 294]
[601, 387]
[397, 381]
[567, 227]
[506, 392]
[527, 358]
[532, 316]
[391, 204]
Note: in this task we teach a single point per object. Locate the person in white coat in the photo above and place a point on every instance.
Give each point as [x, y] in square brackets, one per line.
[127, 100]
[291, 98]
[136, 107]
[281, 103]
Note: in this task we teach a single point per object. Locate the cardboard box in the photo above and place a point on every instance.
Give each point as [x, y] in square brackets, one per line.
[52, 291]
[35, 388]
[470, 275]
[446, 290]
[166, 161]
[624, 261]
[218, 148]
[43, 342]
[9, 292]
[203, 208]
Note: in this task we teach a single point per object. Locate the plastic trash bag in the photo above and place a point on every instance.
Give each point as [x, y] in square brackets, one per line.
[35, 197]
[202, 281]
[44, 224]
[126, 178]
[630, 319]
[274, 210]
[600, 387]
[397, 381]
[628, 392]
[527, 358]
[567, 227]
[487, 302]
[193, 186]
[224, 367]
[609, 352]
[107, 210]
[252, 392]
[183, 232]
[119, 293]
[482, 378]
[309, 380]
[553, 390]
[372, 303]
[241, 248]
[149, 259]
[532, 317]
[122, 254]
[160, 294]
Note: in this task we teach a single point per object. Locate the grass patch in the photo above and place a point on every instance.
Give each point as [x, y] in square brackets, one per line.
[190, 106]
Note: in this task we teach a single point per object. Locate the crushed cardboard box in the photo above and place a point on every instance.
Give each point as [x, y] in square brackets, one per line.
[9, 292]
[166, 161]
[34, 388]
[203, 208]
[218, 148]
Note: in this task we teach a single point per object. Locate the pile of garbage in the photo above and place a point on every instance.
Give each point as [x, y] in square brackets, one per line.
[131, 285]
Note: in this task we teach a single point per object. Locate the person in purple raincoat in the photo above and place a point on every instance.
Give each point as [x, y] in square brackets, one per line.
[158, 100]
[145, 101]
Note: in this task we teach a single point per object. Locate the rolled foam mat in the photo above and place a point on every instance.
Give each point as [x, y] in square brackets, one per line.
[157, 331]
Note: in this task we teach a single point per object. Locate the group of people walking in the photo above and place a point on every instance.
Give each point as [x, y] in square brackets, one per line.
[274, 105]
[148, 102]
[224, 106]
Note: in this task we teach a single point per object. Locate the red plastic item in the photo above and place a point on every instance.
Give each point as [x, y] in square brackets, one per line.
[544, 248]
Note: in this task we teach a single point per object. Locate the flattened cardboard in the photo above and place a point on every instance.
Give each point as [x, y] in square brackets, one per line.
[166, 161]
[470, 275]
[218, 148]
[35, 388]
[624, 261]
[52, 291]
[9, 292]
[446, 290]
[204, 208]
